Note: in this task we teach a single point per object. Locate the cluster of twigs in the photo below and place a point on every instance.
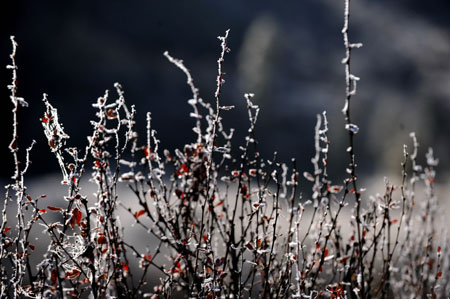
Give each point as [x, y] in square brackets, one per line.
[221, 221]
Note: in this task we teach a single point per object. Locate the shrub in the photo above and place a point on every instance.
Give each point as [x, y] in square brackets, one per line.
[221, 221]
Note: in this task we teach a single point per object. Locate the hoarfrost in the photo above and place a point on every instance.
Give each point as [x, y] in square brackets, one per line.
[352, 128]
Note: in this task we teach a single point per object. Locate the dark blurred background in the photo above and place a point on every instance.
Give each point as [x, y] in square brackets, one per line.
[286, 52]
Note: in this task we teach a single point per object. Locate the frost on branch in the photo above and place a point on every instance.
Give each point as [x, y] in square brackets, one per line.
[55, 134]
[352, 128]
[257, 232]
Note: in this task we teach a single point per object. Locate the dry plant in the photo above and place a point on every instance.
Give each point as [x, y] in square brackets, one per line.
[222, 221]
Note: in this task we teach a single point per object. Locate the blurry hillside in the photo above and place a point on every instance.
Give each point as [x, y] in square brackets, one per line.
[288, 53]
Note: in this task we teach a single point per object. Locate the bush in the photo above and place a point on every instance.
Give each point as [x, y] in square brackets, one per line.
[220, 221]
